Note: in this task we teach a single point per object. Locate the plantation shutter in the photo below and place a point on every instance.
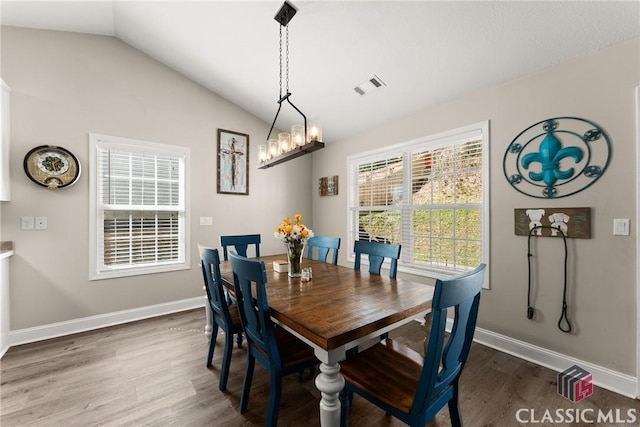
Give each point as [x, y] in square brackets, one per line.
[380, 193]
[429, 195]
[446, 206]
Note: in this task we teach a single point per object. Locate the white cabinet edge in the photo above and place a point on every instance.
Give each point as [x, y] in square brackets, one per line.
[5, 142]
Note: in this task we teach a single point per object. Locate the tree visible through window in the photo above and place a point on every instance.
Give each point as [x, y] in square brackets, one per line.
[138, 200]
[428, 195]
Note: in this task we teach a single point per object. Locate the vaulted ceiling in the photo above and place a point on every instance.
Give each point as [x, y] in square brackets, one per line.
[425, 52]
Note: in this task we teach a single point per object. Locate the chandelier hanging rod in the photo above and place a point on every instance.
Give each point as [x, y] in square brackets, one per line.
[280, 101]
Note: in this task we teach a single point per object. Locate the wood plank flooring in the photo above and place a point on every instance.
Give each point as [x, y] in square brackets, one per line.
[153, 373]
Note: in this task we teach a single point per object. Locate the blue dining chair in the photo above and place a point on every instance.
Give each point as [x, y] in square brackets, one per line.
[323, 245]
[224, 316]
[240, 243]
[279, 352]
[403, 383]
[377, 252]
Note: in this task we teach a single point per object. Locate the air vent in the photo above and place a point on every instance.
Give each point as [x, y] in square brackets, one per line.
[369, 85]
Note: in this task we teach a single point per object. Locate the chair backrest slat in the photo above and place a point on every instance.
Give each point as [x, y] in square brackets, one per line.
[210, 263]
[240, 243]
[377, 252]
[445, 357]
[323, 245]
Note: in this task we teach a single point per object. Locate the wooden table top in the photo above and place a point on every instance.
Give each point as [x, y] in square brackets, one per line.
[339, 305]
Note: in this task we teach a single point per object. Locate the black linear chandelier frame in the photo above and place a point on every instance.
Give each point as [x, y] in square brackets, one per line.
[284, 16]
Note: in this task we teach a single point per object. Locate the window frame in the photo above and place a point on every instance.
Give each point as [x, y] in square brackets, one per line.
[404, 150]
[96, 269]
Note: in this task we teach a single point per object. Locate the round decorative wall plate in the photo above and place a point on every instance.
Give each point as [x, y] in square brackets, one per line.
[51, 166]
[557, 157]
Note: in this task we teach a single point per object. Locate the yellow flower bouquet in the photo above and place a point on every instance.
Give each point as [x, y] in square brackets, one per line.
[294, 235]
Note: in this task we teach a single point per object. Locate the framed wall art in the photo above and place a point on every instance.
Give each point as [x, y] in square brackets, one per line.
[328, 185]
[233, 162]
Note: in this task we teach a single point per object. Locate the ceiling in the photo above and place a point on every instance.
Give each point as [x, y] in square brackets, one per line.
[426, 52]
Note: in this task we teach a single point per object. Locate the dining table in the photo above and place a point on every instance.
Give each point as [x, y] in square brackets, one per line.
[336, 310]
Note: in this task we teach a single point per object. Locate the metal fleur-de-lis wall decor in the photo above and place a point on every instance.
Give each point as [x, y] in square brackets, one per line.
[557, 157]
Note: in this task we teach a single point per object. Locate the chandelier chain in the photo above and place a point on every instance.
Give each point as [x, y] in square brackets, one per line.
[280, 62]
[287, 56]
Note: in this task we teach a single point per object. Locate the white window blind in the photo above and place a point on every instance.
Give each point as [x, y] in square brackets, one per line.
[140, 197]
[429, 195]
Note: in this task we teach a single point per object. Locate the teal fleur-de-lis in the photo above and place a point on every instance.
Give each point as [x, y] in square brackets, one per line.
[550, 154]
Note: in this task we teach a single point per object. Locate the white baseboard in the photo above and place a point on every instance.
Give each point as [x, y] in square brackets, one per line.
[53, 330]
[617, 382]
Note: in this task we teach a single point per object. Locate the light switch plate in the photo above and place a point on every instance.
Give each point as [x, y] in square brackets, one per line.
[26, 223]
[206, 220]
[621, 226]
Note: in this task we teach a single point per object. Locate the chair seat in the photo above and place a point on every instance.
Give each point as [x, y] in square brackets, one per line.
[293, 352]
[388, 370]
[235, 317]
[234, 314]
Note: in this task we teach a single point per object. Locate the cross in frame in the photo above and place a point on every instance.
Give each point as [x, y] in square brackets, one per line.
[235, 154]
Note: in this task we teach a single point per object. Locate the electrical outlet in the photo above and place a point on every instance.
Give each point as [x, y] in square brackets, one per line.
[206, 220]
[41, 223]
[27, 223]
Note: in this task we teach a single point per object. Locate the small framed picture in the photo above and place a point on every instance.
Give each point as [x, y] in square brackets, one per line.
[329, 185]
[233, 162]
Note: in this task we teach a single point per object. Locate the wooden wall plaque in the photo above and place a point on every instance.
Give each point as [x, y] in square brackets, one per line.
[574, 222]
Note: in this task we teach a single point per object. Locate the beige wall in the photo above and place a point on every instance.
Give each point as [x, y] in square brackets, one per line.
[66, 85]
[602, 272]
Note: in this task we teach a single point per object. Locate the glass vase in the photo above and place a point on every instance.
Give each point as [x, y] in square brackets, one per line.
[294, 257]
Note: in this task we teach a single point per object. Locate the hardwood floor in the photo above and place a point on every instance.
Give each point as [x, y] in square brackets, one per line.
[152, 373]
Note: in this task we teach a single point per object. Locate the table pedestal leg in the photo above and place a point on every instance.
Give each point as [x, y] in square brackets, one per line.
[329, 382]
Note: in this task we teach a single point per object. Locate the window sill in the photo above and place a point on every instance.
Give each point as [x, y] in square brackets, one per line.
[138, 271]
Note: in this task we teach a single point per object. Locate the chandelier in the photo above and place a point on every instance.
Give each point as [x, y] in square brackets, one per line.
[304, 138]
